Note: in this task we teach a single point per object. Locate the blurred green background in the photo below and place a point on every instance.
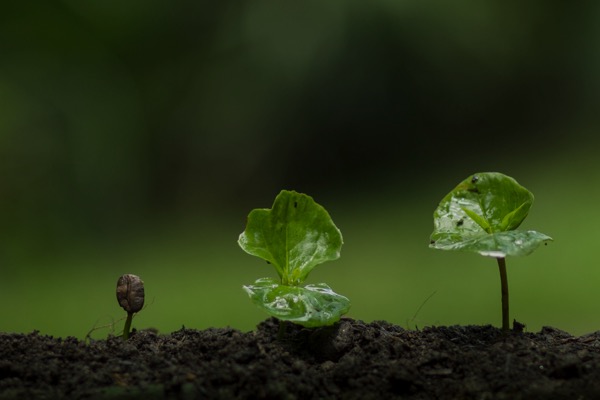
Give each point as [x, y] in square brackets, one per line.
[136, 136]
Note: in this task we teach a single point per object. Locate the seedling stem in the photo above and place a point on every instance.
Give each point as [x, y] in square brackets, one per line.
[127, 326]
[281, 332]
[504, 288]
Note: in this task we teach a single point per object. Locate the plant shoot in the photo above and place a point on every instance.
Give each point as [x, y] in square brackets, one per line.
[294, 236]
[130, 295]
[482, 214]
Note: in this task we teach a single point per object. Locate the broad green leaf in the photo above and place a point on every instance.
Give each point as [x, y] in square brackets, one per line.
[309, 306]
[481, 215]
[295, 235]
[500, 244]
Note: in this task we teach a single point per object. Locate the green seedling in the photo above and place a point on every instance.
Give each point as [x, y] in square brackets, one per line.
[482, 214]
[294, 236]
[130, 295]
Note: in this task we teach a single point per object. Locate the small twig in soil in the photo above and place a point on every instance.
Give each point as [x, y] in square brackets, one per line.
[96, 327]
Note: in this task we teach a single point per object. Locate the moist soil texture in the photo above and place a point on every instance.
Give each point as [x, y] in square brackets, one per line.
[350, 360]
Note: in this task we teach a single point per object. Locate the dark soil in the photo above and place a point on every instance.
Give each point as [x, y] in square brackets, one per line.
[351, 360]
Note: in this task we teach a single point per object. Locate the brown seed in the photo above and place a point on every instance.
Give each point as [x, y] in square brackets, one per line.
[130, 293]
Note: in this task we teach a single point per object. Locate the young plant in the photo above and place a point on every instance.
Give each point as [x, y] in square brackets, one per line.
[482, 214]
[130, 295]
[294, 236]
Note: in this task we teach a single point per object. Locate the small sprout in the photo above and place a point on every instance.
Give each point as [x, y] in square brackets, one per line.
[294, 236]
[130, 295]
[484, 219]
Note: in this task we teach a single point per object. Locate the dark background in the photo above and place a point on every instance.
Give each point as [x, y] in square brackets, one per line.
[124, 126]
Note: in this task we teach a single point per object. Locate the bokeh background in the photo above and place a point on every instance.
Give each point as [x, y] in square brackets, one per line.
[135, 137]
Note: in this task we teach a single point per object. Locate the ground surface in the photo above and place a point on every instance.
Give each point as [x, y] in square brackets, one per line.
[352, 360]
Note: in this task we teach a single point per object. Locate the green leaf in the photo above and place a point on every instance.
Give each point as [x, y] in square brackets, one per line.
[295, 235]
[310, 305]
[500, 244]
[481, 215]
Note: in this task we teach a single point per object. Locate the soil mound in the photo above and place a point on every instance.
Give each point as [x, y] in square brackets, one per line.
[350, 360]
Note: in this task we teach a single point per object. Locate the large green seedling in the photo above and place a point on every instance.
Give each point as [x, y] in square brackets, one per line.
[294, 236]
[482, 214]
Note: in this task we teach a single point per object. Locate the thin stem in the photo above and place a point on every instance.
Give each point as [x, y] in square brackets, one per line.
[504, 288]
[127, 326]
[281, 332]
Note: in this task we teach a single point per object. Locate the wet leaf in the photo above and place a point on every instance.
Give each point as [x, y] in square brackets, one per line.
[310, 305]
[500, 244]
[294, 236]
[481, 215]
